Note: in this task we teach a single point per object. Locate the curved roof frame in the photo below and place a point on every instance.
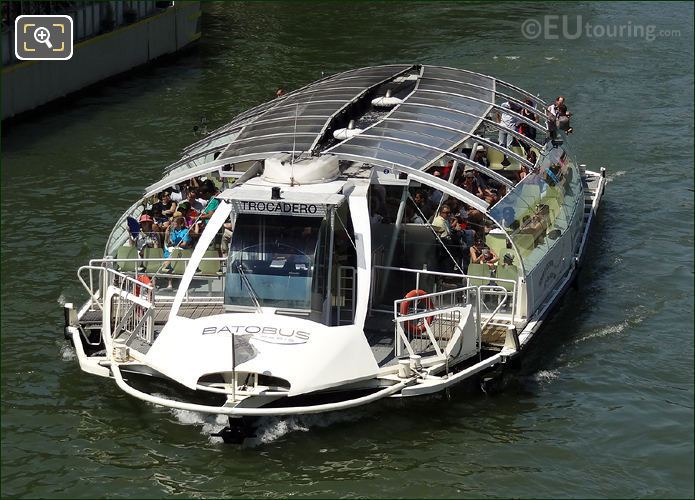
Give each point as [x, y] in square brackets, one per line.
[493, 104]
[497, 82]
[477, 166]
[497, 93]
[513, 132]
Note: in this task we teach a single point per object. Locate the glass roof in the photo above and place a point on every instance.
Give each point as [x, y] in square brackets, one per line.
[444, 109]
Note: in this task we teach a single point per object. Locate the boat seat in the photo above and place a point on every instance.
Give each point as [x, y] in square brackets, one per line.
[180, 265]
[210, 267]
[508, 272]
[514, 164]
[554, 206]
[525, 243]
[495, 158]
[152, 266]
[127, 252]
[481, 270]
[530, 194]
[498, 243]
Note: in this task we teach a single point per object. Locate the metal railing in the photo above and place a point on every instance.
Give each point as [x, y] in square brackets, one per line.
[132, 301]
[426, 278]
[427, 323]
[132, 308]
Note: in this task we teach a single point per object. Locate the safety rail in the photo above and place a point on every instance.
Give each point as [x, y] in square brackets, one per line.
[432, 322]
[494, 289]
[132, 308]
[132, 301]
[94, 288]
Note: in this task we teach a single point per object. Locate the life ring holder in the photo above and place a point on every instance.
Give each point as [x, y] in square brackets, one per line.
[416, 326]
[145, 280]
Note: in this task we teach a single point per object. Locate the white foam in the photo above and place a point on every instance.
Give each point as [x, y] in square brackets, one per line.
[61, 299]
[546, 375]
[615, 329]
[67, 352]
[549, 58]
[208, 423]
[614, 175]
[513, 58]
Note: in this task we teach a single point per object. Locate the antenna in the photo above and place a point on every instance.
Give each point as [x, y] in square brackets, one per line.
[294, 142]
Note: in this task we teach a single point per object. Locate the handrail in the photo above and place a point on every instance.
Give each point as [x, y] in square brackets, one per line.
[255, 412]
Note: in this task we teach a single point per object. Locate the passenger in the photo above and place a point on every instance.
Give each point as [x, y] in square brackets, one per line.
[166, 206]
[471, 184]
[525, 128]
[445, 171]
[509, 219]
[507, 260]
[412, 216]
[480, 156]
[209, 191]
[280, 92]
[195, 203]
[509, 121]
[147, 237]
[188, 214]
[563, 119]
[421, 204]
[481, 254]
[448, 231]
[176, 237]
[552, 110]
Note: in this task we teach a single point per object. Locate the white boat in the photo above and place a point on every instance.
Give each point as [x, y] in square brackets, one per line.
[338, 289]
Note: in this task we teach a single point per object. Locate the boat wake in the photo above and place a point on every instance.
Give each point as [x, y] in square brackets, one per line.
[268, 429]
[611, 329]
[615, 175]
[543, 376]
[67, 353]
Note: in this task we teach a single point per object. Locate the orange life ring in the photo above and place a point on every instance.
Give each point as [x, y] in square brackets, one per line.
[416, 326]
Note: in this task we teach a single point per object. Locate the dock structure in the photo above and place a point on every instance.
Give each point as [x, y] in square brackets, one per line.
[109, 38]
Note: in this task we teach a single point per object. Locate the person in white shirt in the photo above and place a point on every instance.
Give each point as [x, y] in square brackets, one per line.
[508, 121]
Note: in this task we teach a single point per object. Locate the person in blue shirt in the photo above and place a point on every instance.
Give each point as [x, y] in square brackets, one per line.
[176, 236]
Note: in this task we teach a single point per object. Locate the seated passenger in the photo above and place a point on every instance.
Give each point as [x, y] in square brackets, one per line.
[481, 156]
[166, 206]
[195, 203]
[470, 184]
[481, 254]
[147, 237]
[423, 208]
[176, 236]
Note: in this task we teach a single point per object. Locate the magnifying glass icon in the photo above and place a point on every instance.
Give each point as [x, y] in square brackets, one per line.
[42, 35]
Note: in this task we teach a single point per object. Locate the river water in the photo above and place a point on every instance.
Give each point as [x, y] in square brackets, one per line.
[603, 408]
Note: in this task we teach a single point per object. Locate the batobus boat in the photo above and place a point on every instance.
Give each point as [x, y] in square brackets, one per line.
[324, 273]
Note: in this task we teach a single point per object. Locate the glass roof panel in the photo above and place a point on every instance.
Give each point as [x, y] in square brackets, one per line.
[460, 75]
[456, 88]
[450, 102]
[369, 153]
[435, 115]
[412, 134]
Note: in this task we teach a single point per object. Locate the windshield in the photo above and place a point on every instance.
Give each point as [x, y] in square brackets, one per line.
[272, 261]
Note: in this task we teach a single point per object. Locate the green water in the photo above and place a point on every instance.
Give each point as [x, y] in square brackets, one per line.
[602, 408]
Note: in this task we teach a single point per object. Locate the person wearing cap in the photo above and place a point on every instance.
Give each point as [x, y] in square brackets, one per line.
[480, 157]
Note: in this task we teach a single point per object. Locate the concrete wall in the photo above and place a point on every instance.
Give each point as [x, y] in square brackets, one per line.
[30, 84]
